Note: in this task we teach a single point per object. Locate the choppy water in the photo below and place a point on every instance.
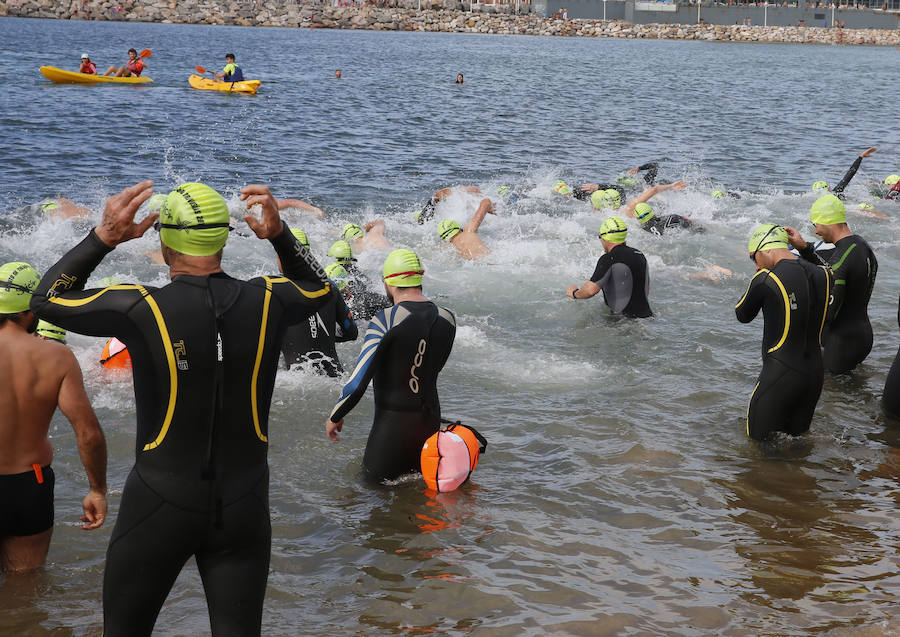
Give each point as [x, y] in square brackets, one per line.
[619, 495]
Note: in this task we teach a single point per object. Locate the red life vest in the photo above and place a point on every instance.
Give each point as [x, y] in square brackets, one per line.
[135, 66]
[89, 68]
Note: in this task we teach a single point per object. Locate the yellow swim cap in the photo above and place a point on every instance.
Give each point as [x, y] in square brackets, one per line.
[447, 229]
[717, 194]
[890, 180]
[643, 212]
[46, 330]
[561, 188]
[614, 230]
[828, 210]
[768, 236]
[403, 269]
[352, 231]
[598, 199]
[337, 273]
[194, 220]
[301, 236]
[820, 186]
[17, 282]
[341, 251]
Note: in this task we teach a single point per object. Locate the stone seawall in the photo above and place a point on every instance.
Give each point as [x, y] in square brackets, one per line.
[434, 18]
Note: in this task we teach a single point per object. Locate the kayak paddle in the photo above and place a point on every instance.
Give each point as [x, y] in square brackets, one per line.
[146, 53]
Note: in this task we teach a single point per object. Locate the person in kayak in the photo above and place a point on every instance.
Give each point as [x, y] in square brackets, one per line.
[87, 67]
[232, 72]
[132, 68]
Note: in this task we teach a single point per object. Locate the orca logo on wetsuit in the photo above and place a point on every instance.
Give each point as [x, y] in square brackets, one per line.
[417, 362]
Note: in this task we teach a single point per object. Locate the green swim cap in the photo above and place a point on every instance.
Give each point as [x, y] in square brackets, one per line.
[598, 199]
[403, 269]
[717, 194]
[417, 215]
[561, 188]
[301, 236]
[768, 236]
[337, 273]
[625, 181]
[866, 206]
[643, 212]
[194, 220]
[17, 281]
[50, 331]
[448, 229]
[156, 202]
[110, 280]
[890, 180]
[53, 204]
[352, 231]
[341, 251]
[828, 210]
[613, 197]
[503, 191]
[614, 230]
[820, 186]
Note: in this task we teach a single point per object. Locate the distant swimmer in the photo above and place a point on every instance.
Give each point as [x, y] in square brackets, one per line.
[48, 332]
[40, 376]
[652, 170]
[868, 209]
[404, 350]
[362, 300]
[312, 342]
[894, 182]
[58, 207]
[369, 236]
[848, 337]
[721, 194]
[205, 350]
[459, 78]
[793, 296]
[821, 187]
[285, 204]
[87, 67]
[621, 273]
[231, 72]
[466, 240]
[337, 74]
[427, 211]
[891, 395]
[132, 68]
[639, 209]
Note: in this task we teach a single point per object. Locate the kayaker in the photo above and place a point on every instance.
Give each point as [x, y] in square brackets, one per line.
[232, 72]
[132, 68]
[87, 67]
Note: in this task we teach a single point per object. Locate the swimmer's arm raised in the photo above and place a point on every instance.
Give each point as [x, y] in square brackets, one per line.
[484, 208]
[300, 205]
[76, 406]
[649, 193]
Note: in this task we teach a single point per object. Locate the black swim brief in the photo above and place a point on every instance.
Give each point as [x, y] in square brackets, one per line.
[26, 503]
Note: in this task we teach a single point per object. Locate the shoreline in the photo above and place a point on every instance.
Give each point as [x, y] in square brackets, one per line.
[212, 12]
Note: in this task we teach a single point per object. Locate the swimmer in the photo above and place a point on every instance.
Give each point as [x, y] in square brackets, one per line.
[821, 187]
[893, 183]
[48, 332]
[891, 395]
[621, 273]
[459, 78]
[793, 296]
[848, 338]
[363, 302]
[868, 209]
[337, 74]
[205, 351]
[404, 350]
[657, 225]
[652, 168]
[285, 204]
[466, 240]
[58, 208]
[40, 377]
[369, 236]
[427, 211]
[313, 341]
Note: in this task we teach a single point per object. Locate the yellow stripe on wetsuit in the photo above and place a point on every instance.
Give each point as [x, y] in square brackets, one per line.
[787, 312]
[310, 295]
[254, 405]
[827, 300]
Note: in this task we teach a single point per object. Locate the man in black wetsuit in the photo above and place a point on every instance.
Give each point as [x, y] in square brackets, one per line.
[405, 349]
[848, 338]
[621, 273]
[794, 297]
[838, 190]
[657, 224]
[360, 298]
[205, 353]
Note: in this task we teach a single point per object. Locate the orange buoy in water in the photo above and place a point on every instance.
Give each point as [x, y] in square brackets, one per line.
[115, 355]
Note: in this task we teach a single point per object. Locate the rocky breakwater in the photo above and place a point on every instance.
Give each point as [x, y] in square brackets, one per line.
[444, 16]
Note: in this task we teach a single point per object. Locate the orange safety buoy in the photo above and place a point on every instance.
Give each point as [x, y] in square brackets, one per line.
[450, 456]
[115, 355]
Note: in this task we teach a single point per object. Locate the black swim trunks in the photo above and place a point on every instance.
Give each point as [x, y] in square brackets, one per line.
[27, 505]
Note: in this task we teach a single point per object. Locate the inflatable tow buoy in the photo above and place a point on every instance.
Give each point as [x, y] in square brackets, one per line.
[450, 456]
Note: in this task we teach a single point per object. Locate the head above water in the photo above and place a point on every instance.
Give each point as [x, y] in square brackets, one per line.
[447, 229]
[338, 273]
[820, 186]
[341, 251]
[767, 236]
[194, 220]
[643, 212]
[613, 197]
[828, 210]
[892, 180]
[352, 231]
[50, 332]
[717, 194]
[403, 269]
[613, 230]
[17, 282]
[866, 206]
[561, 188]
[625, 181]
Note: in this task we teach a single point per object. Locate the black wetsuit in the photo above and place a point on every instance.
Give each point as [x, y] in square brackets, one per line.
[848, 338]
[362, 301]
[205, 353]
[845, 181]
[26, 502]
[312, 341]
[891, 394]
[658, 224]
[404, 350]
[578, 193]
[622, 275]
[794, 297]
[652, 169]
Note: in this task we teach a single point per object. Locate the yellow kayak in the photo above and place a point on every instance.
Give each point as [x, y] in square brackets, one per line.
[61, 76]
[206, 84]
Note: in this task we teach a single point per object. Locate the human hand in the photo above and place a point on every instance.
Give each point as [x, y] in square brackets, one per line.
[332, 428]
[94, 506]
[634, 171]
[868, 151]
[117, 225]
[678, 185]
[795, 238]
[269, 225]
[571, 289]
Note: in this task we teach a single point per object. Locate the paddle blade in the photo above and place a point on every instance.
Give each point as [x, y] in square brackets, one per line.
[146, 53]
[200, 69]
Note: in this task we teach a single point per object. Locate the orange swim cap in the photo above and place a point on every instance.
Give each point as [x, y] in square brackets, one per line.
[115, 355]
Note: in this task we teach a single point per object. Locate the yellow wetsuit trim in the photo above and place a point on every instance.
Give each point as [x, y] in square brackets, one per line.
[79, 302]
[827, 300]
[787, 312]
[259, 353]
[310, 295]
[744, 298]
[173, 374]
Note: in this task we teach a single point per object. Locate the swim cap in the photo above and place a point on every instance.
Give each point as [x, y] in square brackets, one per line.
[47, 206]
[52, 332]
[613, 197]
[17, 281]
[768, 236]
[115, 355]
[448, 229]
[403, 269]
[503, 191]
[110, 280]
[890, 180]
[625, 181]
[341, 251]
[417, 215]
[337, 273]
[828, 210]
[194, 220]
[866, 206]
[156, 202]
[352, 231]
[643, 212]
[820, 186]
[614, 230]
[301, 236]
[598, 199]
[561, 188]
[717, 194]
